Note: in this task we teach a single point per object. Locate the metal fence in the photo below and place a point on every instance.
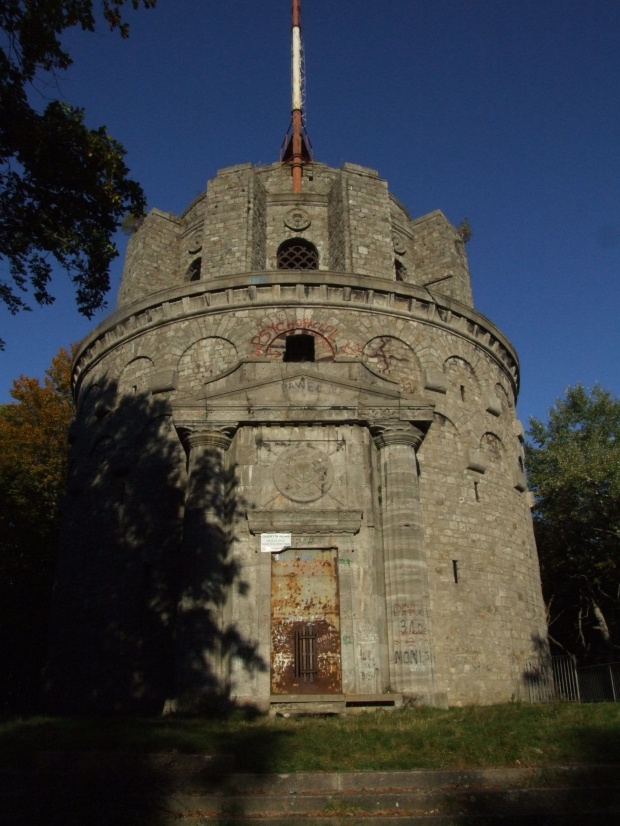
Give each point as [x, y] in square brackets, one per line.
[558, 678]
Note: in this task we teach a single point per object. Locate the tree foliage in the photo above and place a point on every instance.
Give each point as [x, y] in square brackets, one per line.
[33, 469]
[64, 188]
[573, 464]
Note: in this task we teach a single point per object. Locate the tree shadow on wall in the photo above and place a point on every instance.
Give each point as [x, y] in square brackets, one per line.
[145, 567]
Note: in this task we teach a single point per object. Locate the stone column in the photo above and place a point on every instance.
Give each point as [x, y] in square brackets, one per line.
[206, 570]
[406, 580]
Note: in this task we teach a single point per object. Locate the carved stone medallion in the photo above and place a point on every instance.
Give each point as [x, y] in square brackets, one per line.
[297, 219]
[399, 245]
[303, 474]
[195, 244]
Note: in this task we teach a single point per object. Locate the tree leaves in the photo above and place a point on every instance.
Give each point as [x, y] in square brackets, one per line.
[574, 470]
[64, 188]
[33, 470]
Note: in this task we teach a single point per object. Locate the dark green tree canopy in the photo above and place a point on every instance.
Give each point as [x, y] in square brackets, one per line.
[64, 188]
[573, 464]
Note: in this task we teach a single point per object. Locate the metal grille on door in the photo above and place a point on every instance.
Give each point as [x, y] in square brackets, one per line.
[305, 653]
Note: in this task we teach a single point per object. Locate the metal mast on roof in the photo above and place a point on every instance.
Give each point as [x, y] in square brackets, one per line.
[297, 152]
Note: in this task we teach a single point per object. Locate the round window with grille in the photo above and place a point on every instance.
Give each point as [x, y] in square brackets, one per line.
[297, 254]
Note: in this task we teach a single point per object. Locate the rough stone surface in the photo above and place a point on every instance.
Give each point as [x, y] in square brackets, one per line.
[393, 460]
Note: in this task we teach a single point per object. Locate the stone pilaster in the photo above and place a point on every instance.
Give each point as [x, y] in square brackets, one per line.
[206, 570]
[410, 653]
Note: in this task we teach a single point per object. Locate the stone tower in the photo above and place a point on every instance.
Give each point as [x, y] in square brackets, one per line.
[297, 473]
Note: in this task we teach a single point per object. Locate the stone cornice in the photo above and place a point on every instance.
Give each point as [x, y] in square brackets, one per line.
[283, 288]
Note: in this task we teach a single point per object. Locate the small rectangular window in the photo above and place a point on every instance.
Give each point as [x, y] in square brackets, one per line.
[299, 347]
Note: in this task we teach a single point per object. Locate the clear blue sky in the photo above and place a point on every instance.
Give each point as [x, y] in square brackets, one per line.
[502, 111]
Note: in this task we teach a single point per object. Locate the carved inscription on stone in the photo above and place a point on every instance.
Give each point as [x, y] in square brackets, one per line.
[303, 474]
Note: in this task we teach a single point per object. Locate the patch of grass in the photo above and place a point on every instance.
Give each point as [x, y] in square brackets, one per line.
[417, 738]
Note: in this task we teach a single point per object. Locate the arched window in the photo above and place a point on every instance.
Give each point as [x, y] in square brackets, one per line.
[297, 254]
[194, 269]
[401, 270]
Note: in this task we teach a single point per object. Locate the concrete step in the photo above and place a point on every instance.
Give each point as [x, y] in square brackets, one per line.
[399, 803]
[195, 790]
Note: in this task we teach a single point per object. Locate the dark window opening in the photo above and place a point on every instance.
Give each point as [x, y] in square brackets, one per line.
[297, 254]
[305, 653]
[476, 491]
[299, 347]
[401, 270]
[462, 392]
[455, 570]
[194, 270]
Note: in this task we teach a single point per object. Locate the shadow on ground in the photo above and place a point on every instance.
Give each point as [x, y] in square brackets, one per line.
[122, 789]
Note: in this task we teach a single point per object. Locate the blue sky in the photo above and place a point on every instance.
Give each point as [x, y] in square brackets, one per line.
[505, 112]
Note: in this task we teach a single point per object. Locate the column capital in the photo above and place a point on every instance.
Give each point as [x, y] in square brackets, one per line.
[396, 433]
[218, 437]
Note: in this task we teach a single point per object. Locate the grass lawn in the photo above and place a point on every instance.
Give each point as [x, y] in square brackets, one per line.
[420, 738]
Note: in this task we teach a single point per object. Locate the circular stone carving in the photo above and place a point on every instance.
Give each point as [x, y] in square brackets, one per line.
[303, 474]
[391, 357]
[399, 245]
[297, 219]
[195, 245]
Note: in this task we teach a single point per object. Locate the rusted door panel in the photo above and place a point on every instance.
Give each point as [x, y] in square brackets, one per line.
[305, 623]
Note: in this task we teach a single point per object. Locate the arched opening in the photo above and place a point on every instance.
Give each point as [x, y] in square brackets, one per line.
[297, 254]
[281, 347]
[401, 270]
[194, 270]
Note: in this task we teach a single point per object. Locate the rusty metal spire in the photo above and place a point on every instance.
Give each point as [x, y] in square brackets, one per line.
[296, 152]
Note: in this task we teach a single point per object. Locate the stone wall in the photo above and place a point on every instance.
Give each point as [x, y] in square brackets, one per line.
[192, 428]
[152, 259]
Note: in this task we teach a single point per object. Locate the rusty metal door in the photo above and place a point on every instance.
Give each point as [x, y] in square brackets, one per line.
[305, 622]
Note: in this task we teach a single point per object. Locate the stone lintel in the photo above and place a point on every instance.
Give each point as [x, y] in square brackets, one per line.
[163, 381]
[436, 380]
[494, 405]
[305, 522]
[476, 461]
[520, 482]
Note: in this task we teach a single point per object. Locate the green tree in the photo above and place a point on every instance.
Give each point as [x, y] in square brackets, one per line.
[33, 469]
[573, 464]
[64, 188]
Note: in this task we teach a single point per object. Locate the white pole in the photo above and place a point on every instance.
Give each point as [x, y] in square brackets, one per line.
[296, 70]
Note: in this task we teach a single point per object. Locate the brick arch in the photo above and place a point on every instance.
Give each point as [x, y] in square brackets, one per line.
[504, 397]
[323, 350]
[204, 359]
[392, 357]
[134, 376]
[441, 445]
[492, 446]
[89, 397]
[462, 379]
